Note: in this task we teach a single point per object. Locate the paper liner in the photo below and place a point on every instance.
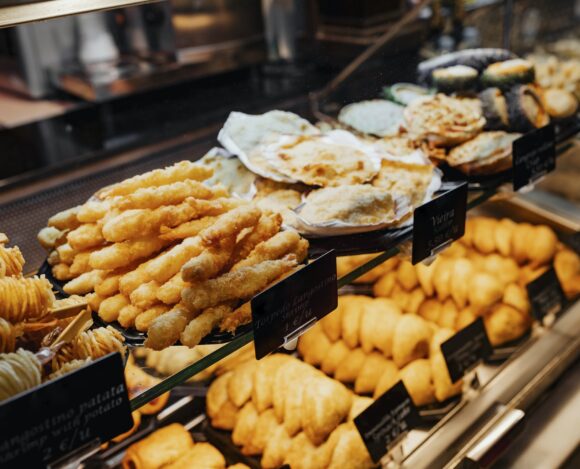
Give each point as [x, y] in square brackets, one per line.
[336, 136]
[225, 138]
[336, 228]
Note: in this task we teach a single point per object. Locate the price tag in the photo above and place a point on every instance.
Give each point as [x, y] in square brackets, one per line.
[466, 349]
[439, 222]
[385, 421]
[546, 295]
[284, 311]
[534, 155]
[48, 422]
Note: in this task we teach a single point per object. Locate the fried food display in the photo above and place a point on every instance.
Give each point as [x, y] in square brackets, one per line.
[170, 255]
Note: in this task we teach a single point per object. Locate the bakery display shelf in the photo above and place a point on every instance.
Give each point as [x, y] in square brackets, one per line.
[242, 339]
[515, 385]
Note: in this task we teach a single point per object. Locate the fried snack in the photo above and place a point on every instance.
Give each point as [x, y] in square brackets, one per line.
[128, 314]
[203, 324]
[242, 284]
[65, 220]
[69, 367]
[187, 229]
[84, 283]
[166, 329]
[25, 298]
[170, 194]
[159, 449]
[8, 335]
[122, 254]
[49, 237]
[11, 261]
[230, 224]
[94, 210]
[80, 263]
[210, 262]
[166, 265]
[143, 320]
[268, 226]
[86, 236]
[137, 223]
[109, 286]
[19, 371]
[94, 343]
[241, 315]
[281, 244]
[205, 456]
[110, 307]
[170, 292]
[61, 272]
[158, 177]
[66, 254]
[145, 295]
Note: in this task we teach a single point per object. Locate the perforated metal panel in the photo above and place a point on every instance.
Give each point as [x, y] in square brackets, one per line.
[22, 219]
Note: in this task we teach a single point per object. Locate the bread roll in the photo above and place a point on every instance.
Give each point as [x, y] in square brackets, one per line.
[161, 448]
[411, 339]
[202, 455]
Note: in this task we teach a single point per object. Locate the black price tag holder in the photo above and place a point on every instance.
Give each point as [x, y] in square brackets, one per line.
[534, 156]
[53, 420]
[546, 296]
[289, 308]
[439, 222]
[466, 349]
[386, 421]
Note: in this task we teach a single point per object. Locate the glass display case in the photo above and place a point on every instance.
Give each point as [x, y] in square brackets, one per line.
[345, 234]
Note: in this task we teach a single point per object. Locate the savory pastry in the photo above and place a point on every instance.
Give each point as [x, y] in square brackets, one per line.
[161, 448]
[488, 153]
[526, 109]
[508, 73]
[494, 108]
[201, 455]
[417, 182]
[454, 78]
[560, 104]
[358, 205]
[333, 159]
[443, 121]
[404, 93]
[376, 117]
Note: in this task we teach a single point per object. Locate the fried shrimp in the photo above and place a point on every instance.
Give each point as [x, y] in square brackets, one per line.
[203, 324]
[158, 177]
[242, 284]
[276, 247]
[165, 330]
[122, 254]
[170, 194]
[230, 224]
[268, 226]
[210, 262]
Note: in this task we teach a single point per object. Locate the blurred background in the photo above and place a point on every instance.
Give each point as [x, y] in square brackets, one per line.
[87, 86]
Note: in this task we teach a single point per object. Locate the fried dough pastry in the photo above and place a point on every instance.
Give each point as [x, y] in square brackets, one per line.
[122, 254]
[181, 171]
[166, 329]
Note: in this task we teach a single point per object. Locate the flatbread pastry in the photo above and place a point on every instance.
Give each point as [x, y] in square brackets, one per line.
[444, 121]
[489, 152]
[334, 159]
[360, 204]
